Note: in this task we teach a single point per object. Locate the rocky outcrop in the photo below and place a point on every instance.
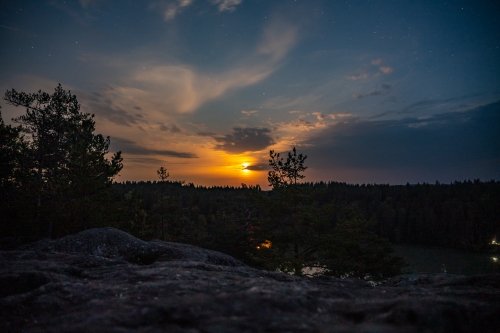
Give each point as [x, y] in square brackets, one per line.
[115, 244]
[104, 280]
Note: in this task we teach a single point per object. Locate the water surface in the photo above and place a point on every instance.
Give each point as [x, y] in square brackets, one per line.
[427, 259]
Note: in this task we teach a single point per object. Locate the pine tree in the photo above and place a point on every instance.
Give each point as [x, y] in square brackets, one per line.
[65, 165]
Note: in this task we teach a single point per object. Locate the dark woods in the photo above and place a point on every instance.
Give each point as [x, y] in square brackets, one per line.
[56, 180]
[461, 215]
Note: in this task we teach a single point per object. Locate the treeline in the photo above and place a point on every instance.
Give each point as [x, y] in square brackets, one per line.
[459, 215]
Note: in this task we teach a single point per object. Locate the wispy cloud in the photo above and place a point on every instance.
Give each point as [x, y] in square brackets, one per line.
[363, 74]
[298, 131]
[383, 69]
[180, 89]
[386, 70]
[227, 5]
[170, 9]
[88, 3]
[173, 9]
[177, 88]
[360, 75]
[6, 27]
[250, 112]
[294, 103]
[279, 38]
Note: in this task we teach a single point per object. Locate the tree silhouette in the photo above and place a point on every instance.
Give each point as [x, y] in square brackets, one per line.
[162, 175]
[64, 162]
[285, 173]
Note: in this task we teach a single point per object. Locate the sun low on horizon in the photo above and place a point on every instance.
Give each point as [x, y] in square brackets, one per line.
[372, 92]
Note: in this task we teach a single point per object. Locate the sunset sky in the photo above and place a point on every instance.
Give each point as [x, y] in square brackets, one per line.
[372, 91]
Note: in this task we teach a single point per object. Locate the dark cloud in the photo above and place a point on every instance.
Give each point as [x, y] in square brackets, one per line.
[448, 145]
[384, 91]
[117, 116]
[148, 161]
[418, 106]
[211, 134]
[425, 104]
[145, 160]
[429, 103]
[101, 105]
[174, 128]
[257, 167]
[375, 93]
[243, 140]
[382, 114]
[130, 147]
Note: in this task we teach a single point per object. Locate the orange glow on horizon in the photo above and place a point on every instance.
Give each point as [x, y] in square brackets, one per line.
[211, 168]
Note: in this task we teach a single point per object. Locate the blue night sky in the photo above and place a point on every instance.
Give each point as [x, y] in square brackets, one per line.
[372, 91]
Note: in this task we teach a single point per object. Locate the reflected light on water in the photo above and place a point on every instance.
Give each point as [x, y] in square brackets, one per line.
[425, 259]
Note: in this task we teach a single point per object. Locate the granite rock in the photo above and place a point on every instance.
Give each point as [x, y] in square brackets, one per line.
[104, 280]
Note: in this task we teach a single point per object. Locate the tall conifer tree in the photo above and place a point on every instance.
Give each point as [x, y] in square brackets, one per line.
[64, 162]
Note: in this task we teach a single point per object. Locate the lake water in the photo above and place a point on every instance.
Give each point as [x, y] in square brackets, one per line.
[425, 259]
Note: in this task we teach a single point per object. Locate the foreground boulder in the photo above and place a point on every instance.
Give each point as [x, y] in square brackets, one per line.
[115, 244]
[104, 280]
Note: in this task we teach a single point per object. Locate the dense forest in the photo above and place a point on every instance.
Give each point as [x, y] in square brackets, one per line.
[55, 179]
[459, 215]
